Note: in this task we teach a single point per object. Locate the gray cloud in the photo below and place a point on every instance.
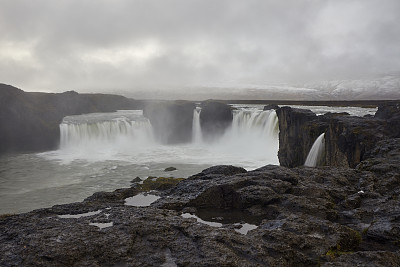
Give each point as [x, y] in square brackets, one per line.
[111, 45]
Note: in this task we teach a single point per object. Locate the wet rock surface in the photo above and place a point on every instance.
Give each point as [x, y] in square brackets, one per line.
[298, 129]
[271, 106]
[171, 120]
[326, 216]
[215, 118]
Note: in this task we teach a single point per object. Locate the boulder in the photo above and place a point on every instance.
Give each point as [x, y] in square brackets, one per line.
[170, 169]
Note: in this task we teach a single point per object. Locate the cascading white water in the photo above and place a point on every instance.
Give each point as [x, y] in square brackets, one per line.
[106, 131]
[253, 135]
[197, 135]
[263, 124]
[251, 141]
[94, 131]
[316, 152]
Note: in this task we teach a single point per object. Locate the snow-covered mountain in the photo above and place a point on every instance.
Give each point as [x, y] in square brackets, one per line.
[386, 87]
[382, 88]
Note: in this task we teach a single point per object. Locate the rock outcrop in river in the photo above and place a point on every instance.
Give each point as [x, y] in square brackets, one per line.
[215, 119]
[172, 121]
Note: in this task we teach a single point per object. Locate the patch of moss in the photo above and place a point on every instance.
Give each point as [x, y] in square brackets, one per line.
[158, 183]
[334, 252]
[6, 215]
[365, 231]
[347, 244]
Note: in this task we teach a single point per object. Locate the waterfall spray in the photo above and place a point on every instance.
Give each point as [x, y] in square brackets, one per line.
[251, 141]
[316, 152]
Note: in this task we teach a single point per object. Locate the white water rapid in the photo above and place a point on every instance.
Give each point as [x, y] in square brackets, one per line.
[316, 152]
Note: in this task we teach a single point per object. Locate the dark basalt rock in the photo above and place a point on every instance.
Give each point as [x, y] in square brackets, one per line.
[218, 170]
[391, 115]
[388, 111]
[215, 118]
[170, 169]
[172, 121]
[348, 139]
[298, 129]
[270, 107]
[305, 217]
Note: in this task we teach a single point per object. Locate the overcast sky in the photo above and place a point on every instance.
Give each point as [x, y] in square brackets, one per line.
[98, 45]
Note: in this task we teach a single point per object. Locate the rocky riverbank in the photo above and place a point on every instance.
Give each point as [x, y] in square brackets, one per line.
[326, 216]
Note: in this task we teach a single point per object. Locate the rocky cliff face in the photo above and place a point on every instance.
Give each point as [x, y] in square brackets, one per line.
[298, 129]
[172, 121]
[30, 121]
[348, 139]
[215, 118]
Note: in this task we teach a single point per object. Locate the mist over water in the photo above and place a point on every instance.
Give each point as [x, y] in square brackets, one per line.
[105, 151]
[251, 141]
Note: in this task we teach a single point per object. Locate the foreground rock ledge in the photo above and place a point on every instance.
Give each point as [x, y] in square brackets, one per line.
[305, 217]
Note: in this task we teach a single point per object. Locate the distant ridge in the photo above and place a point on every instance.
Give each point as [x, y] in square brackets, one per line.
[29, 121]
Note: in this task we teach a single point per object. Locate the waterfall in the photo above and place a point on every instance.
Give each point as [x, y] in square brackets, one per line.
[316, 152]
[197, 135]
[261, 123]
[89, 130]
[251, 141]
[255, 133]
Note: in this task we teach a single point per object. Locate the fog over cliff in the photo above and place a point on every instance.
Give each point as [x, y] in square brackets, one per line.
[307, 49]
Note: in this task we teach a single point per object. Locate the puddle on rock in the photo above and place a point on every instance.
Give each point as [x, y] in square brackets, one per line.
[243, 229]
[246, 227]
[76, 216]
[242, 220]
[230, 216]
[213, 224]
[141, 200]
[102, 225]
